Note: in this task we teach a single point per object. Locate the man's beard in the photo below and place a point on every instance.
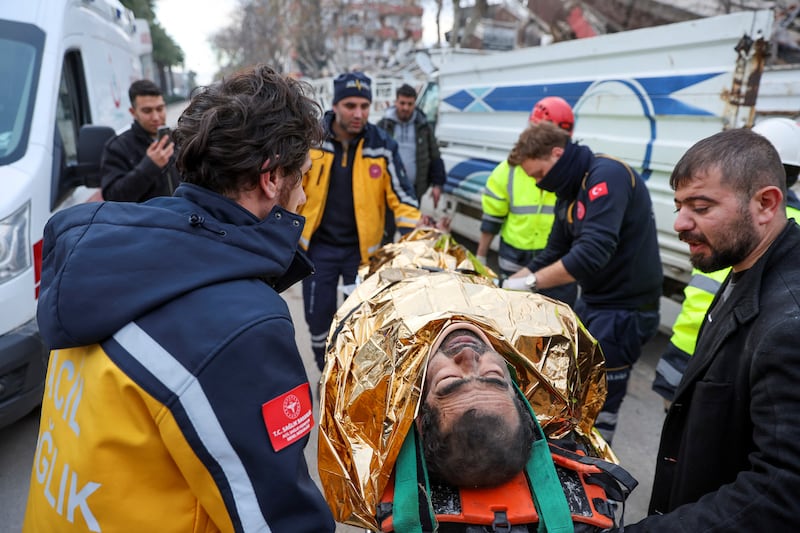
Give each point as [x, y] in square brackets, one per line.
[738, 238]
[285, 196]
[350, 129]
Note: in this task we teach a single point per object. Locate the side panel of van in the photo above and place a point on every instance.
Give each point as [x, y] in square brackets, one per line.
[644, 96]
[78, 75]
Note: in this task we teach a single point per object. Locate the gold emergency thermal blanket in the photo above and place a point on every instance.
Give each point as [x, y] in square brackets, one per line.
[379, 346]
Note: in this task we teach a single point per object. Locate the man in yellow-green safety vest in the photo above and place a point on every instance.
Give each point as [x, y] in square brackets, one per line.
[521, 212]
[784, 134]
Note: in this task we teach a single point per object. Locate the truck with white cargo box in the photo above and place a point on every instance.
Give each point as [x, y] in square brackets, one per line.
[66, 66]
[644, 96]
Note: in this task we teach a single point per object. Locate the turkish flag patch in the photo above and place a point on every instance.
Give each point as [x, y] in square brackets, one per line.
[601, 189]
[288, 417]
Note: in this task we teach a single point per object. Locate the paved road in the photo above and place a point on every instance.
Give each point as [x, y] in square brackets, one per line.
[17, 443]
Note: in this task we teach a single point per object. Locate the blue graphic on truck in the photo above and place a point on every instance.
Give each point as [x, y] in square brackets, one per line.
[656, 97]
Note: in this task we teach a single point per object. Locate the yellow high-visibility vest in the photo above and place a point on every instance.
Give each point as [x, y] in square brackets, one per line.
[526, 212]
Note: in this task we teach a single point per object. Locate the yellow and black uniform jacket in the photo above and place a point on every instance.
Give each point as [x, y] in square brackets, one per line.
[175, 399]
[379, 181]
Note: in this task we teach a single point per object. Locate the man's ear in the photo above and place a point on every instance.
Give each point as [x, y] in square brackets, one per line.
[557, 152]
[268, 183]
[769, 200]
[132, 111]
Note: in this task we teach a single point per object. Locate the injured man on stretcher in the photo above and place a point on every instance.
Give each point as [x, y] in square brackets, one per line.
[449, 404]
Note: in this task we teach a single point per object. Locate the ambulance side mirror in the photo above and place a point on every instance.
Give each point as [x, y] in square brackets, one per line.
[91, 141]
[85, 170]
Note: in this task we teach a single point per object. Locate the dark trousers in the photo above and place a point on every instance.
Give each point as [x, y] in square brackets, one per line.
[669, 371]
[621, 334]
[320, 290]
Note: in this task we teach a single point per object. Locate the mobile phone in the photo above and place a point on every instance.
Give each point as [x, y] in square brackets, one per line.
[162, 130]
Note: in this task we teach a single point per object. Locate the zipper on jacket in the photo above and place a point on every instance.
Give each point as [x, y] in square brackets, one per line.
[321, 172]
[345, 154]
[196, 220]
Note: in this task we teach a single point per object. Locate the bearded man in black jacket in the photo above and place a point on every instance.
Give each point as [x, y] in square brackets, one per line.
[729, 458]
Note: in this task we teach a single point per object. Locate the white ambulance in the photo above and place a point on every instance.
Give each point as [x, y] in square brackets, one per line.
[65, 68]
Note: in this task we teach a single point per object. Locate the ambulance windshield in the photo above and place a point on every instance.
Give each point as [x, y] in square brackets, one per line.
[20, 57]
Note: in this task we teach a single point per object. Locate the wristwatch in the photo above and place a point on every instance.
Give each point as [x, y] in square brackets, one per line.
[530, 281]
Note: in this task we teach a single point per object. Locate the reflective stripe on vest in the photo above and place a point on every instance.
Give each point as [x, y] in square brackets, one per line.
[698, 295]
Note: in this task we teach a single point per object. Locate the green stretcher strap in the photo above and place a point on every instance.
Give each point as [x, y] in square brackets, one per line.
[548, 495]
[406, 506]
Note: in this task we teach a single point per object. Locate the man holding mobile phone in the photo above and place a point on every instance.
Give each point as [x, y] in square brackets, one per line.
[162, 131]
[138, 164]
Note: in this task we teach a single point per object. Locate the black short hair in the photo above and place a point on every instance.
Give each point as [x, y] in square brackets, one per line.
[143, 88]
[480, 449]
[254, 121]
[406, 90]
[746, 161]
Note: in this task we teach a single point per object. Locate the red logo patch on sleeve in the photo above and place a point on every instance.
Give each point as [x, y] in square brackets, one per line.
[288, 417]
[601, 189]
[580, 210]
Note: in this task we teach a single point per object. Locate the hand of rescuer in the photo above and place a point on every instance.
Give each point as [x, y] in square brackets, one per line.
[427, 221]
[436, 193]
[518, 281]
[515, 284]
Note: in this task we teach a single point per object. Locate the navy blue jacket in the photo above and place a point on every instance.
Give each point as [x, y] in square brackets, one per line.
[604, 231]
[181, 295]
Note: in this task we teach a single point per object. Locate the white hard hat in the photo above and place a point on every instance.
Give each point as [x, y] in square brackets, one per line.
[784, 134]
